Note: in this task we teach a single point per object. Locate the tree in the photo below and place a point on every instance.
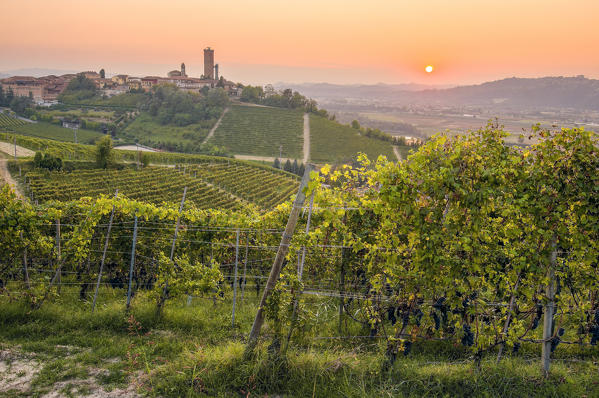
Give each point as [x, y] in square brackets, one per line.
[102, 74]
[20, 104]
[287, 166]
[252, 94]
[104, 154]
[277, 163]
[294, 167]
[355, 124]
[2, 96]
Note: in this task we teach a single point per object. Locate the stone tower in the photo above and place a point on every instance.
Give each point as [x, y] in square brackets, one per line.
[209, 63]
[183, 70]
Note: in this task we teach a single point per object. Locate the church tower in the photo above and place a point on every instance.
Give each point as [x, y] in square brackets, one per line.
[183, 70]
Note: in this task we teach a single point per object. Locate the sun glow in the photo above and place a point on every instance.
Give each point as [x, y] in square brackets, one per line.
[428, 69]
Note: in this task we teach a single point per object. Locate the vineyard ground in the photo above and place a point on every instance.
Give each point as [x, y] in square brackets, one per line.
[63, 349]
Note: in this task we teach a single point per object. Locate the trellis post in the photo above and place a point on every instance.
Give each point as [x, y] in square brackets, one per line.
[104, 253]
[278, 263]
[132, 261]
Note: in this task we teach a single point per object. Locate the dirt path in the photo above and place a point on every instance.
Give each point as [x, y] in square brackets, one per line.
[9, 149]
[213, 129]
[261, 158]
[5, 175]
[397, 154]
[306, 137]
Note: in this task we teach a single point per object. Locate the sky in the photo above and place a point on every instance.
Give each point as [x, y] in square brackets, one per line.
[336, 41]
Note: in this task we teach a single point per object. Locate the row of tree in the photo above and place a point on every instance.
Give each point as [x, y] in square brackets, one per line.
[295, 167]
[285, 99]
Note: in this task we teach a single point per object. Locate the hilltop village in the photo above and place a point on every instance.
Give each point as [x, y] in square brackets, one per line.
[45, 90]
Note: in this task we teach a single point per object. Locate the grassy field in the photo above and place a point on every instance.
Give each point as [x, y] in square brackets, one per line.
[54, 132]
[192, 351]
[333, 142]
[151, 133]
[260, 131]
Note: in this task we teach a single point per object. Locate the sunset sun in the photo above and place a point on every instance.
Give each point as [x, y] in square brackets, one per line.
[428, 69]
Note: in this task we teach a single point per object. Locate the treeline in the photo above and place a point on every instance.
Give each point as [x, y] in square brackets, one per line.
[79, 88]
[169, 105]
[285, 99]
[379, 134]
[19, 105]
[295, 167]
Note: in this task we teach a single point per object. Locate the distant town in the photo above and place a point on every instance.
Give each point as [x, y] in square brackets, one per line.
[45, 90]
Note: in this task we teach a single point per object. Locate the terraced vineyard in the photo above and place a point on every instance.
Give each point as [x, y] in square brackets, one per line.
[7, 121]
[54, 132]
[260, 131]
[334, 142]
[64, 150]
[253, 184]
[213, 183]
[153, 184]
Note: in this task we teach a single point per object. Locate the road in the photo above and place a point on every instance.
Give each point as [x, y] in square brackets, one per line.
[5, 175]
[213, 129]
[306, 137]
[397, 154]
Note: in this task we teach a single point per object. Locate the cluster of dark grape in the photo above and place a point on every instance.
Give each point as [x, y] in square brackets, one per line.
[537, 318]
[468, 338]
[403, 313]
[441, 307]
[556, 340]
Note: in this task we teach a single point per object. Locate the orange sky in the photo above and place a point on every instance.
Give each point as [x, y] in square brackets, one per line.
[341, 41]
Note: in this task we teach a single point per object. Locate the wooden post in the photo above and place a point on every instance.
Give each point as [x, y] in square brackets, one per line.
[25, 271]
[59, 269]
[164, 296]
[344, 258]
[507, 319]
[300, 272]
[14, 139]
[245, 263]
[235, 277]
[278, 263]
[549, 310]
[132, 261]
[104, 253]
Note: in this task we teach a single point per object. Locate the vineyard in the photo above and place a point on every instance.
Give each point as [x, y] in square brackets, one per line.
[59, 133]
[7, 121]
[212, 183]
[470, 269]
[261, 131]
[336, 143]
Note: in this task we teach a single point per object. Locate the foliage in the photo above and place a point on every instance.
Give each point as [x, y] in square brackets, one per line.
[169, 105]
[79, 88]
[104, 153]
[47, 161]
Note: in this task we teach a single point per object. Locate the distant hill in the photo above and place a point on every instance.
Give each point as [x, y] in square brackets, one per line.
[545, 92]
[553, 92]
[348, 91]
[35, 72]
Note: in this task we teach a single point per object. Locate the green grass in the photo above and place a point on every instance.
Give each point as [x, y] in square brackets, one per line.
[150, 132]
[260, 131]
[194, 352]
[331, 142]
[54, 132]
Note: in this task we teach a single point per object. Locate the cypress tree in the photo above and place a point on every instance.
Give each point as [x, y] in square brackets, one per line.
[287, 166]
[294, 167]
[277, 164]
